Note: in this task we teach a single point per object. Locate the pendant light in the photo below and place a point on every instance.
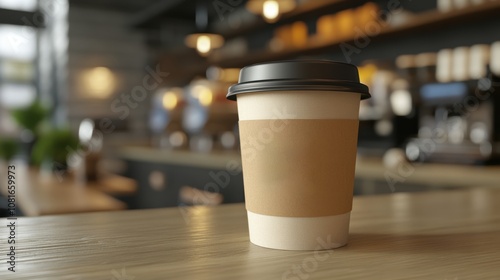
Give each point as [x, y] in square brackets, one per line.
[270, 9]
[203, 41]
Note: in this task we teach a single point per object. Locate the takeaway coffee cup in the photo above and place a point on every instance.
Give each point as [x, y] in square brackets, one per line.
[298, 125]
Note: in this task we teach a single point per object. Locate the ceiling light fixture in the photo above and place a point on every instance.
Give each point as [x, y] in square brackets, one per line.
[203, 42]
[270, 10]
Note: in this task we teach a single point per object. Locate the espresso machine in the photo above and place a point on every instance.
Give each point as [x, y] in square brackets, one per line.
[459, 123]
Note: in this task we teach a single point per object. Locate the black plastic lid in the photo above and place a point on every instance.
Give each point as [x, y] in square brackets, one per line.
[323, 75]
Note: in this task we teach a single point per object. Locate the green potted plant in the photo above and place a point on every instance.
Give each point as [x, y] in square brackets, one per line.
[30, 118]
[8, 149]
[53, 147]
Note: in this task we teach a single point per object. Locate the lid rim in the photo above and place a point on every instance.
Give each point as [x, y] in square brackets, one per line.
[293, 75]
[318, 61]
[364, 95]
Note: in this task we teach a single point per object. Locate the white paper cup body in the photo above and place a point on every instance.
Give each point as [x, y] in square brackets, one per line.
[298, 233]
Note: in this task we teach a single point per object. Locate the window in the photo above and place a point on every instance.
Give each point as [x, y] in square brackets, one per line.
[18, 52]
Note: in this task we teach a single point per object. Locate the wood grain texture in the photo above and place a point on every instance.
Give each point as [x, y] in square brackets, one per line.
[433, 235]
[45, 194]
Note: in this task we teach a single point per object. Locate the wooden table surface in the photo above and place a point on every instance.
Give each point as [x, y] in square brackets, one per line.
[442, 235]
[46, 194]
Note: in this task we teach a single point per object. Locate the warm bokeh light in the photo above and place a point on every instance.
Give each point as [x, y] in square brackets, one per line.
[203, 44]
[205, 97]
[366, 73]
[170, 100]
[401, 102]
[99, 82]
[271, 10]
[203, 94]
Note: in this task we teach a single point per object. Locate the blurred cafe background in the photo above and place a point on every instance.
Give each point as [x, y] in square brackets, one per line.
[120, 104]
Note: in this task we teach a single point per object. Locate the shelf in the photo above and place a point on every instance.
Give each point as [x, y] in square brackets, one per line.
[307, 10]
[23, 18]
[430, 20]
[366, 168]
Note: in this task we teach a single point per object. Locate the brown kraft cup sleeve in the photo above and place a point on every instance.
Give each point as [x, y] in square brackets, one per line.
[299, 168]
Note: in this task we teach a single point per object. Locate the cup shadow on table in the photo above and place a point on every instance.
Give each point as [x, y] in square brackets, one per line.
[423, 243]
